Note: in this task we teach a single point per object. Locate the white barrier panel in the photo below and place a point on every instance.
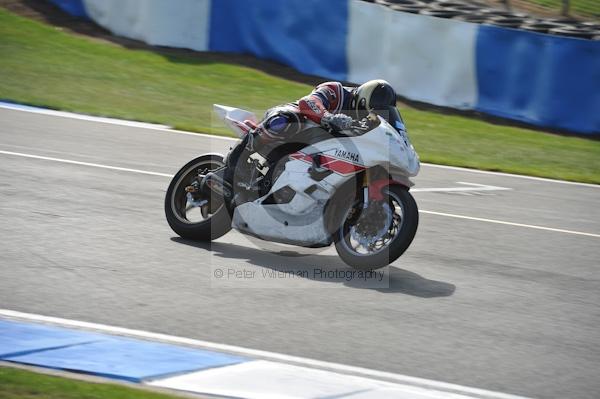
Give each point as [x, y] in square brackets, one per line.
[156, 22]
[424, 58]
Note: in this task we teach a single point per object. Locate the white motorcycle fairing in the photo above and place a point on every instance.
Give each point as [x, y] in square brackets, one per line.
[300, 221]
[234, 118]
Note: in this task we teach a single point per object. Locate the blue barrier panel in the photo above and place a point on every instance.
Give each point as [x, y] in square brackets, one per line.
[73, 7]
[309, 35]
[102, 355]
[540, 79]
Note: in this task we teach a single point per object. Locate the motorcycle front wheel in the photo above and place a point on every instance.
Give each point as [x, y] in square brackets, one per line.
[190, 216]
[377, 235]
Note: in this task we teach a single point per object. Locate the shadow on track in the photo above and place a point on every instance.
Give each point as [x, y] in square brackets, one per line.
[400, 280]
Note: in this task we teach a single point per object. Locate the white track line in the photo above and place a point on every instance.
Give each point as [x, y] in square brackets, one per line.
[383, 375]
[487, 172]
[529, 226]
[145, 172]
[62, 114]
[71, 115]
[475, 187]
[95, 165]
[111, 121]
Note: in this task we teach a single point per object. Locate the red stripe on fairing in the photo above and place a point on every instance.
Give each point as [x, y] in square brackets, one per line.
[302, 157]
[336, 165]
[343, 167]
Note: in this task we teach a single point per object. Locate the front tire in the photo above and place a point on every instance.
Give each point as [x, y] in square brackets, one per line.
[178, 209]
[398, 218]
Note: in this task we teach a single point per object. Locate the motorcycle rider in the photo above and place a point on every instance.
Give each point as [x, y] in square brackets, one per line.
[330, 104]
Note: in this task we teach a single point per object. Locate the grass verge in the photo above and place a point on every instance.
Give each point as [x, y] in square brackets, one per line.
[44, 66]
[24, 384]
[588, 8]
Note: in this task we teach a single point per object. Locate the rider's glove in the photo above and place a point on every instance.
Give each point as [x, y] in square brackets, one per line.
[336, 121]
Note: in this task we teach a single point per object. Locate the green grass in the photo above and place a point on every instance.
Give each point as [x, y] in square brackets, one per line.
[23, 384]
[589, 8]
[41, 65]
[460, 141]
[44, 66]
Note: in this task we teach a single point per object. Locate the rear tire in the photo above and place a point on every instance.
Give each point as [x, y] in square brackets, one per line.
[398, 244]
[211, 228]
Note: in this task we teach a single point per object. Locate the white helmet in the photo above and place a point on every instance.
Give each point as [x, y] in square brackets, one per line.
[374, 95]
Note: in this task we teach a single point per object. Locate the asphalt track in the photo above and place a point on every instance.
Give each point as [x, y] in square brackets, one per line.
[488, 295]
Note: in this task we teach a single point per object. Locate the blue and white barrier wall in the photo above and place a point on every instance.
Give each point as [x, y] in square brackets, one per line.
[543, 80]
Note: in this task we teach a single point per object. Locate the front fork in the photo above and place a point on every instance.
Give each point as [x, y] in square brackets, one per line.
[373, 185]
[365, 187]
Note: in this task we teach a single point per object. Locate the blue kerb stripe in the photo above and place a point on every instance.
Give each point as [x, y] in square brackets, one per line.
[102, 355]
[21, 338]
[308, 35]
[540, 79]
[74, 7]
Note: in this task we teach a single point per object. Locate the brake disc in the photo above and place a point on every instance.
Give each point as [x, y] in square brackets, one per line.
[363, 231]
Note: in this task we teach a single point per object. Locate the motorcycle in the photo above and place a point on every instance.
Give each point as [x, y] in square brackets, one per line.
[349, 188]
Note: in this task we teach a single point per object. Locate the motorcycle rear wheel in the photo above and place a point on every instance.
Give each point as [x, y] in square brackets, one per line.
[178, 208]
[396, 225]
